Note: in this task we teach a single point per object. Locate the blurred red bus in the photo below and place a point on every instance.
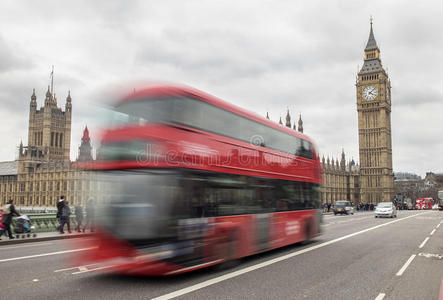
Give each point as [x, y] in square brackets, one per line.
[424, 203]
[191, 181]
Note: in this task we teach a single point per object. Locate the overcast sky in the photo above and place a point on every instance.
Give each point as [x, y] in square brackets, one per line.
[260, 55]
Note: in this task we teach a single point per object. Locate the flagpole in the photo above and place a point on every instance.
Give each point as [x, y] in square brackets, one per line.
[52, 81]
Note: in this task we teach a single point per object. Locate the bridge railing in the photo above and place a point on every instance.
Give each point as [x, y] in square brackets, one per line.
[45, 222]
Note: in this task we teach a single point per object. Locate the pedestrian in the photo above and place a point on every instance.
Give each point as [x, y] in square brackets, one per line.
[2, 227]
[329, 207]
[79, 217]
[9, 211]
[89, 216]
[64, 218]
[60, 204]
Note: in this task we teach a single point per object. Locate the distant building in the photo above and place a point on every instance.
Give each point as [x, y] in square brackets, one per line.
[85, 149]
[413, 187]
[341, 180]
[43, 171]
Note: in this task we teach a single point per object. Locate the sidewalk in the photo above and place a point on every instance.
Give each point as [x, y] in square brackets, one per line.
[41, 237]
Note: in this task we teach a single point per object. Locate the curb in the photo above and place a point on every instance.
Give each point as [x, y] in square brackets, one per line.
[43, 239]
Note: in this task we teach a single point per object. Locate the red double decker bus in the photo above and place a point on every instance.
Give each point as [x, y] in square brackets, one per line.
[189, 181]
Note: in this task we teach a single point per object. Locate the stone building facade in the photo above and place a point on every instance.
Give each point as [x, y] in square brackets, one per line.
[341, 179]
[43, 171]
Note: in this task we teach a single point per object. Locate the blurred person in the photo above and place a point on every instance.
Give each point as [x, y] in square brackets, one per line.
[64, 218]
[89, 215]
[9, 211]
[60, 204]
[2, 227]
[78, 217]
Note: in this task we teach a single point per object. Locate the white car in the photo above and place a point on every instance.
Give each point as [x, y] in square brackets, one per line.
[385, 209]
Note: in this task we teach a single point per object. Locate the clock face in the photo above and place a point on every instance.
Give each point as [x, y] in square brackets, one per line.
[370, 92]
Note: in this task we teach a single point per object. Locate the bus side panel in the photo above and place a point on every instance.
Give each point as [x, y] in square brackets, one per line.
[290, 227]
[241, 231]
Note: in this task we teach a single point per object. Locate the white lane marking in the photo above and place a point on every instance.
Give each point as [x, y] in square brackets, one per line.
[193, 267]
[45, 254]
[345, 221]
[423, 243]
[438, 225]
[215, 280]
[430, 255]
[380, 296]
[85, 267]
[24, 246]
[35, 280]
[407, 263]
[92, 270]
[67, 269]
[432, 232]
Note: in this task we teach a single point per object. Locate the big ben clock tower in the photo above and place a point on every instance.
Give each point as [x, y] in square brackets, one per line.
[374, 127]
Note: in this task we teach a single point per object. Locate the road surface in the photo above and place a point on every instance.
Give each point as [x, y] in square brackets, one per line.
[356, 257]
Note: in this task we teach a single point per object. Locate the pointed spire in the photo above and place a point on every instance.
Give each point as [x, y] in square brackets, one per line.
[372, 44]
[68, 105]
[294, 127]
[267, 115]
[20, 149]
[343, 160]
[33, 96]
[280, 122]
[86, 134]
[300, 124]
[33, 104]
[48, 99]
[288, 119]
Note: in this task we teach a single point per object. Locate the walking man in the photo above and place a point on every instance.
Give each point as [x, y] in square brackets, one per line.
[60, 204]
[64, 218]
[89, 215]
[79, 217]
[9, 211]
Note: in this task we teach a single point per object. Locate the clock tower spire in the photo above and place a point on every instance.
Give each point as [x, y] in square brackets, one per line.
[374, 126]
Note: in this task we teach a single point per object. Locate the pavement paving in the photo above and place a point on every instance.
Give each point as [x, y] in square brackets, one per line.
[39, 237]
[356, 257]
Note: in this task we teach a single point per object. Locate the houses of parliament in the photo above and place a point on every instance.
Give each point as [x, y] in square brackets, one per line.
[44, 171]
